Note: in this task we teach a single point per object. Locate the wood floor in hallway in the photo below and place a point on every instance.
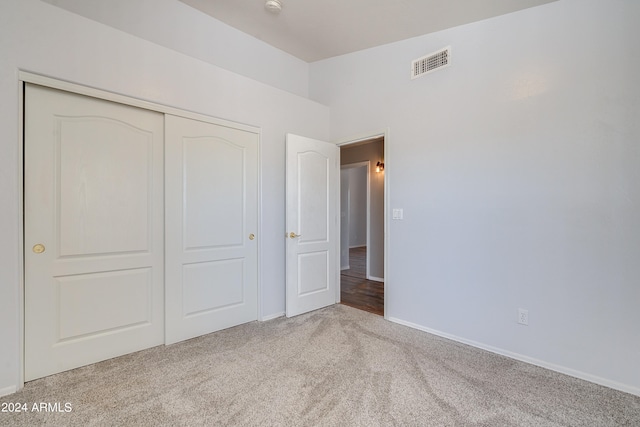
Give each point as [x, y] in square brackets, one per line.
[355, 290]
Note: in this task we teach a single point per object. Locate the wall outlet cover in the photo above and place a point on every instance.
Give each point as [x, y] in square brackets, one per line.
[523, 316]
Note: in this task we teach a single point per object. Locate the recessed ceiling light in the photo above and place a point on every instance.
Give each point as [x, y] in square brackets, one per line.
[273, 6]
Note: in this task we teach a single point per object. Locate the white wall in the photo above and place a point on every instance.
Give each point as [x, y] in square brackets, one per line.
[518, 169]
[180, 27]
[344, 219]
[37, 37]
[357, 207]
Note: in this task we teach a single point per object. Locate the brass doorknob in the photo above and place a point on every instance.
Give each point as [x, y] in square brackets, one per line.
[252, 236]
[293, 235]
[39, 248]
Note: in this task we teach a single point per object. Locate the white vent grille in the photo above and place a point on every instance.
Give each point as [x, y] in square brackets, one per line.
[431, 62]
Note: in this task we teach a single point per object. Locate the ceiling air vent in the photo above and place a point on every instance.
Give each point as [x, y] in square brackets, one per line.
[431, 62]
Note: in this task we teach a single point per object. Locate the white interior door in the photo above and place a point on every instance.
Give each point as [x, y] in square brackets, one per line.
[93, 230]
[211, 185]
[312, 224]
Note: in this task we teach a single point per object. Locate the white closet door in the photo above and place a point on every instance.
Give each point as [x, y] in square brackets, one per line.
[93, 230]
[211, 185]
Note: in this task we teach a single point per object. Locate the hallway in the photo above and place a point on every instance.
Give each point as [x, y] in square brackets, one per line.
[355, 290]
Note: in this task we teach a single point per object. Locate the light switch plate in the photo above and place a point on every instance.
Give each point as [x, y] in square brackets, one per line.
[397, 214]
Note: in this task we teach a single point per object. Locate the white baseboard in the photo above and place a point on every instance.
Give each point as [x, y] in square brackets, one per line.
[8, 390]
[345, 268]
[551, 366]
[272, 316]
[376, 279]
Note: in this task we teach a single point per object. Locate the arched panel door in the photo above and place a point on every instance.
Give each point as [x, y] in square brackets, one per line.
[93, 230]
[211, 227]
[312, 225]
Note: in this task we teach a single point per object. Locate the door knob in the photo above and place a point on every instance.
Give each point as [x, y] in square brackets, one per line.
[39, 248]
[293, 235]
[252, 236]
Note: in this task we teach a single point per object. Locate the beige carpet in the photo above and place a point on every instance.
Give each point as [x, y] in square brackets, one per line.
[338, 366]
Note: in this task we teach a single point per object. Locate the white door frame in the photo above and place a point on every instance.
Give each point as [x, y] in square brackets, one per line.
[365, 164]
[386, 133]
[29, 77]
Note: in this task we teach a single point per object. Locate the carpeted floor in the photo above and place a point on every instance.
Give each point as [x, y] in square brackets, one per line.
[337, 367]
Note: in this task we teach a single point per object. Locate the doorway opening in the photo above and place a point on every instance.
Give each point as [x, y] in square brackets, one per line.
[362, 225]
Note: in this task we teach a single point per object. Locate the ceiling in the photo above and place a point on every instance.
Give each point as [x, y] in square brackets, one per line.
[313, 30]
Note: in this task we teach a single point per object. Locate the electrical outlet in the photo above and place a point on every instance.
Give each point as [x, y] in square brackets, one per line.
[523, 316]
